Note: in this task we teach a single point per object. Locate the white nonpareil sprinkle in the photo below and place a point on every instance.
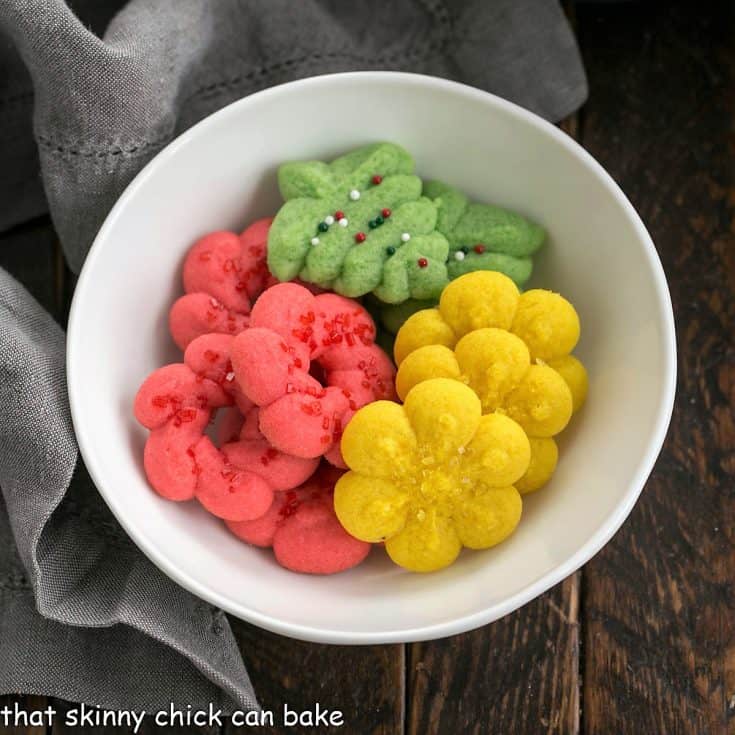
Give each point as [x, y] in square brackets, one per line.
[314, 240]
[460, 450]
[214, 302]
[459, 255]
[329, 219]
[230, 377]
[354, 195]
[405, 237]
[343, 222]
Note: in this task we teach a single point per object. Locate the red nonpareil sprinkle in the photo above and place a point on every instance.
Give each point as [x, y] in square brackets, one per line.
[479, 248]
[339, 214]
[326, 439]
[422, 262]
[377, 178]
[386, 212]
[360, 237]
[211, 355]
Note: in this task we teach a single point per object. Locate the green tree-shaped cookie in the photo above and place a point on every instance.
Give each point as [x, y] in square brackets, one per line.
[358, 225]
[481, 237]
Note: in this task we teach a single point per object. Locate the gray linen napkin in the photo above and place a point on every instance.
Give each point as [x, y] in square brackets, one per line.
[83, 615]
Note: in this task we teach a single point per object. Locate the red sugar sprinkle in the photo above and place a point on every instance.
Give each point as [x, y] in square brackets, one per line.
[422, 262]
[360, 237]
[386, 212]
[479, 248]
[326, 439]
[377, 178]
[339, 214]
[211, 355]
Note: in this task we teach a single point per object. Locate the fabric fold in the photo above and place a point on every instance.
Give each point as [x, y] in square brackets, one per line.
[160, 644]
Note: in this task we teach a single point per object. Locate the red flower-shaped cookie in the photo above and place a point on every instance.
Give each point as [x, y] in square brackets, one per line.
[176, 403]
[303, 529]
[223, 274]
[309, 362]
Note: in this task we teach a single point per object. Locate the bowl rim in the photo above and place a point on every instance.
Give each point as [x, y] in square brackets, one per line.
[601, 535]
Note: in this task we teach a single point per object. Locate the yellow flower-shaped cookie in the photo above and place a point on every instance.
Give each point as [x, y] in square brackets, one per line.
[512, 349]
[432, 475]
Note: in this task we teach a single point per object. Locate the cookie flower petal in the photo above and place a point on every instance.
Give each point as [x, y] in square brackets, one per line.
[575, 376]
[369, 508]
[379, 441]
[542, 402]
[544, 456]
[499, 453]
[488, 517]
[494, 362]
[445, 415]
[428, 542]
[432, 361]
[547, 323]
[425, 327]
[477, 300]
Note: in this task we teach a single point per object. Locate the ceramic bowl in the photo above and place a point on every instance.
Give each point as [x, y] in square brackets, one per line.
[220, 174]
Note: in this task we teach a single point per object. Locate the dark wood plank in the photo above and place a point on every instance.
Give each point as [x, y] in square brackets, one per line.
[659, 600]
[365, 682]
[518, 675]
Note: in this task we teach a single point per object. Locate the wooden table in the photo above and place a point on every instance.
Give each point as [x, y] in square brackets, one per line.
[642, 639]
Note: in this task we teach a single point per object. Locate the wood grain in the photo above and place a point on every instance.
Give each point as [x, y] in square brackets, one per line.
[659, 600]
[367, 683]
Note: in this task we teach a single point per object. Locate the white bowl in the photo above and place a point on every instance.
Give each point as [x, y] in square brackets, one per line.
[221, 174]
